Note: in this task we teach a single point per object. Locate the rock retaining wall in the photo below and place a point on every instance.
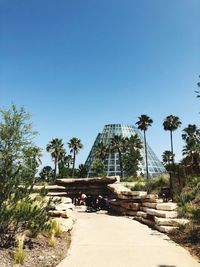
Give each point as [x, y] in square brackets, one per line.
[146, 208]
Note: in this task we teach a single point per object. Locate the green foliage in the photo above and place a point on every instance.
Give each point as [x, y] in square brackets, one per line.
[20, 254]
[82, 171]
[132, 156]
[98, 168]
[46, 174]
[152, 185]
[19, 159]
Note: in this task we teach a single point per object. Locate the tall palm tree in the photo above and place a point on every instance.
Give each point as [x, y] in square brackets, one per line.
[118, 145]
[75, 146]
[171, 123]
[143, 124]
[56, 148]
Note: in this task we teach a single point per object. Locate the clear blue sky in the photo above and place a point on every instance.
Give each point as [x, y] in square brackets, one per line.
[77, 65]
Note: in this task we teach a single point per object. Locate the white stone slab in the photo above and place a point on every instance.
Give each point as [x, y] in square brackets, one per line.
[166, 206]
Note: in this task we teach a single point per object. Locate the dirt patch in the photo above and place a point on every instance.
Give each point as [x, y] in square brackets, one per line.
[39, 252]
[187, 240]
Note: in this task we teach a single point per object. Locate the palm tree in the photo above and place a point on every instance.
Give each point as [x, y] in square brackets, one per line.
[101, 151]
[191, 150]
[135, 142]
[56, 148]
[118, 145]
[167, 157]
[171, 123]
[143, 124]
[46, 173]
[191, 133]
[75, 146]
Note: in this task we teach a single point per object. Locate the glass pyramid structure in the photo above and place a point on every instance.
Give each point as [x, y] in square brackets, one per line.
[112, 167]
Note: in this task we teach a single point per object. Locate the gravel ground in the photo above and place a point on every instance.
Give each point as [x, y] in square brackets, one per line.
[38, 252]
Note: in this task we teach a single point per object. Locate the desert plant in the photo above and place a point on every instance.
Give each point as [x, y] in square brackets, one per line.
[20, 255]
[52, 240]
[56, 228]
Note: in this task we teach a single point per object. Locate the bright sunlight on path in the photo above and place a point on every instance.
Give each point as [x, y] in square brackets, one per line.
[100, 240]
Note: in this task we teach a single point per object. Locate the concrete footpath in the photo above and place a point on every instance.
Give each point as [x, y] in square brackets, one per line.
[101, 240]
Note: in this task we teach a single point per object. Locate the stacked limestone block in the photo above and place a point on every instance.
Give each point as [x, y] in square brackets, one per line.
[63, 212]
[161, 215]
[146, 208]
[52, 190]
[126, 202]
[89, 186]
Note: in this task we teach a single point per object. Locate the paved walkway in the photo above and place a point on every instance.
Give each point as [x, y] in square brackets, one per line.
[100, 240]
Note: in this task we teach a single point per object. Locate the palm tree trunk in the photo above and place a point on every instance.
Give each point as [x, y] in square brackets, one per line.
[74, 158]
[121, 164]
[145, 146]
[172, 149]
[173, 167]
[55, 168]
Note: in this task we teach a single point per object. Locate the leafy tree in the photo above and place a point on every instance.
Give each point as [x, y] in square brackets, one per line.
[143, 124]
[75, 146]
[47, 173]
[118, 145]
[56, 148]
[18, 162]
[82, 171]
[132, 156]
[98, 168]
[64, 165]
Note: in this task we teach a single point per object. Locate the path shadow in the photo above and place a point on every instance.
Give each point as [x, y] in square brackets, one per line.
[166, 265]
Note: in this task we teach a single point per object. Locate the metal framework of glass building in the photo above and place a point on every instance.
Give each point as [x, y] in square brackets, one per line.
[112, 166]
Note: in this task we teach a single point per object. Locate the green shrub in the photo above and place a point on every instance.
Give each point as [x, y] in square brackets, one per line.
[19, 162]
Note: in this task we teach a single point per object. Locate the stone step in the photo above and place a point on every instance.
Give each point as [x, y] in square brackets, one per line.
[149, 205]
[165, 229]
[166, 206]
[170, 222]
[162, 213]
